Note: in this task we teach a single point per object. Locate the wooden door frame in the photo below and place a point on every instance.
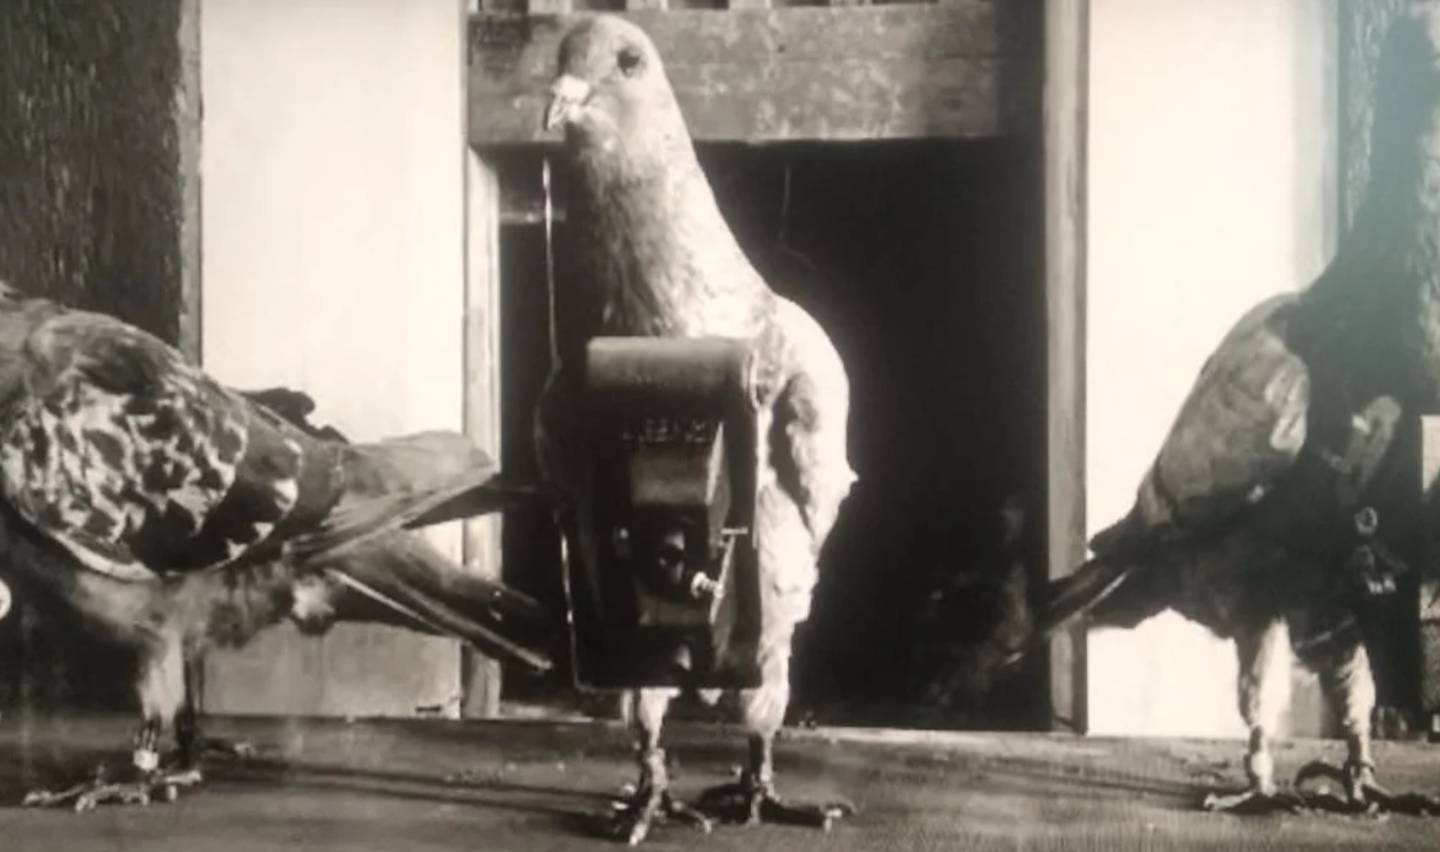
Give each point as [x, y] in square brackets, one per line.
[480, 676]
[1066, 96]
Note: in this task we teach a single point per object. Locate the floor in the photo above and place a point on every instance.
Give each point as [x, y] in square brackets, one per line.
[431, 785]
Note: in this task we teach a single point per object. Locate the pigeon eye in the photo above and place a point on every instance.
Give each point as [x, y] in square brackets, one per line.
[629, 61]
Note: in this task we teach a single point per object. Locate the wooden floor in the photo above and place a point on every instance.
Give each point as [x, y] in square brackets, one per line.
[432, 785]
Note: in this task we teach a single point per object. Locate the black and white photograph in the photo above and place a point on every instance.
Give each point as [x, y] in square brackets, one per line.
[719, 425]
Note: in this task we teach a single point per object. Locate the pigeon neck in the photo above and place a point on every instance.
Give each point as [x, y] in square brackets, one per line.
[18, 319]
[672, 266]
[1384, 284]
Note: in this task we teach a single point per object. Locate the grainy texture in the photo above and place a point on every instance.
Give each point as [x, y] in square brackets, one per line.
[956, 71]
[431, 786]
[91, 185]
[99, 157]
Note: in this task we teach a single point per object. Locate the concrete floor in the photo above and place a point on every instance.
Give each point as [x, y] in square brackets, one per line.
[431, 785]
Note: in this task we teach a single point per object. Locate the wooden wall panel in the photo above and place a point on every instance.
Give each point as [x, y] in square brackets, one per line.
[962, 70]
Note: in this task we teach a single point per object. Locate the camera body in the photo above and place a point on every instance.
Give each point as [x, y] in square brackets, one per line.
[663, 586]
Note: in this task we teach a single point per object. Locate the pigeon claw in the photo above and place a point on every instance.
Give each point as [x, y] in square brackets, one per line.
[142, 790]
[1361, 793]
[749, 802]
[635, 815]
[1254, 801]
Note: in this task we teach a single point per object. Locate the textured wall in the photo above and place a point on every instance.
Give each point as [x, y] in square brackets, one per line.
[91, 190]
[98, 207]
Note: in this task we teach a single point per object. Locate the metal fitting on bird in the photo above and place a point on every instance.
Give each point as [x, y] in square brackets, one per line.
[621, 541]
[683, 659]
[146, 759]
[1367, 521]
[754, 385]
[1366, 562]
[702, 586]
[6, 599]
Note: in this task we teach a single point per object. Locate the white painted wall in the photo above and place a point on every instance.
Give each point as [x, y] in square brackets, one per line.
[333, 262]
[1211, 165]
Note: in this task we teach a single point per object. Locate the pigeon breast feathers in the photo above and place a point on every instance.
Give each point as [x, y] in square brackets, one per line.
[811, 411]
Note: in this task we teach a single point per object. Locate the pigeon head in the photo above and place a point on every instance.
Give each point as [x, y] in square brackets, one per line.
[611, 96]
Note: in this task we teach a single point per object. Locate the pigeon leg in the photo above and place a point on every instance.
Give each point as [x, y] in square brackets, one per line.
[1349, 683]
[192, 747]
[161, 684]
[651, 799]
[752, 799]
[1264, 685]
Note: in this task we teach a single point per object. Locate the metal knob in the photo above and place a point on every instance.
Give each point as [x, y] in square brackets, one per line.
[1367, 521]
[702, 586]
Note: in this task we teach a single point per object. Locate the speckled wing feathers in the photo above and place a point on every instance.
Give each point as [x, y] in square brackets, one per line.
[133, 460]
[1241, 428]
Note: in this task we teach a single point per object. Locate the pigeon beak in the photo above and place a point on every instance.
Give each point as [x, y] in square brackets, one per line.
[567, 94]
